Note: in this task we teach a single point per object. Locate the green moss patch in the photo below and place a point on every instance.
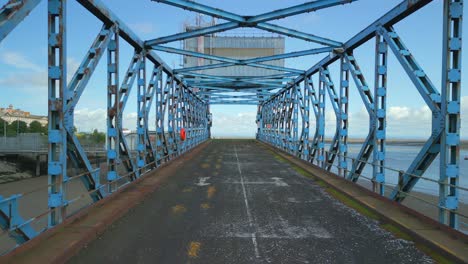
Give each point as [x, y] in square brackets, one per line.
[352, 203]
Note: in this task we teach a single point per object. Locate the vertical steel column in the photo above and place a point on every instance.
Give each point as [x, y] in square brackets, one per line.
[113, 108]
[178, 117]
[380, 108]
[305, 112]
[450, 110]
[321, 122]
[295, 119]
[141, 113]
[306, 120]
[161, 145]
[259, 121]
[171, 118]
[57, 83]
[344, 125]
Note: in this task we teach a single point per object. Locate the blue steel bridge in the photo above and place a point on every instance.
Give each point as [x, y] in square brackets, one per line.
[282, 198]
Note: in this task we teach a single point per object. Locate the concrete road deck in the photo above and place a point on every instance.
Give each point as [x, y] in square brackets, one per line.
[236, 203]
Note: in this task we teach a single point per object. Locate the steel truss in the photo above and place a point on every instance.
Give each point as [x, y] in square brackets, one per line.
[175, 100]
[276, 121]
[283, 118]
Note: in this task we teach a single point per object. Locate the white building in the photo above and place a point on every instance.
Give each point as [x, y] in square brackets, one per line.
[10, 115]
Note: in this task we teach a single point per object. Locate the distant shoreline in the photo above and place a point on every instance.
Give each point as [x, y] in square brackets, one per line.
[390, 142]
[397, 142]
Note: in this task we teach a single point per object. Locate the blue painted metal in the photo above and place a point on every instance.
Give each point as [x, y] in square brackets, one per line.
[450, 111]
[366, 95]
[10, 220]
[335, 102]
[124, 91]
[343, 119]
[298, 9]
[380, 108]
[57, 90]
[192, 34]
[319, 142]
[203, 9]
[204, 67]
[254, 21]
[177, 106]
[249, 61]
[431, 96]
[223, 59]
[309, 84]
[113, 108]
[75, 152]
[86, 69]
[141, 160]
[298, 34]
[12, 13]
[153, 85]
[398, 13]
[287, 55]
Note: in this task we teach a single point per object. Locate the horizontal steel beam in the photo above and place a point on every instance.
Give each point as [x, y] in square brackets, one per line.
[242, 89]
[234, 103]
[204, 67]
[203, 9]
[298, 34]
[194, 54]
[288, 55]
[192, 34]
[255, 21]
[248, 61]
[224, 59]
[296, 10]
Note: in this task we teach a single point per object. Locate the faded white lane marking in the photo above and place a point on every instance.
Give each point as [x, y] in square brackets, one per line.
[202, 181]
[276, 181]
[279, 182]
[247, 208]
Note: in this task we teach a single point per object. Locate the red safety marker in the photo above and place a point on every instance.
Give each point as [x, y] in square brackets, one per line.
[182, 134]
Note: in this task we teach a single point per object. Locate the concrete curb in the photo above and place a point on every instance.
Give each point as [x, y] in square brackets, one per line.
[59, 244]
[449, 243]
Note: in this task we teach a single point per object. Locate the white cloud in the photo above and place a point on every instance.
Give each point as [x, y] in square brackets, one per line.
[27, 74]
[234, 125]
[89, 119]
[401, 122]
[19, 61]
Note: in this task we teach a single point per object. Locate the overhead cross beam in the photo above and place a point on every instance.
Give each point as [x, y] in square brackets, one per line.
[258, 21]
[249, 61]
[224, 59]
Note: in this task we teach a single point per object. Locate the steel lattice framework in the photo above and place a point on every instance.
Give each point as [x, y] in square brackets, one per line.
[284, 101]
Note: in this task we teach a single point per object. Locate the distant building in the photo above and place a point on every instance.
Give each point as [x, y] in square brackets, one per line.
[236, 47]
[10, 114]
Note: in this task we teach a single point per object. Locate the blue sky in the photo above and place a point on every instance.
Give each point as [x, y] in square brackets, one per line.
[23, 60]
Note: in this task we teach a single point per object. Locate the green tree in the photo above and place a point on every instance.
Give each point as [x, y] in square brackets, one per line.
[45, 130]
[3, 125]
[35, 127]
[98, 137]
[17, 127]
